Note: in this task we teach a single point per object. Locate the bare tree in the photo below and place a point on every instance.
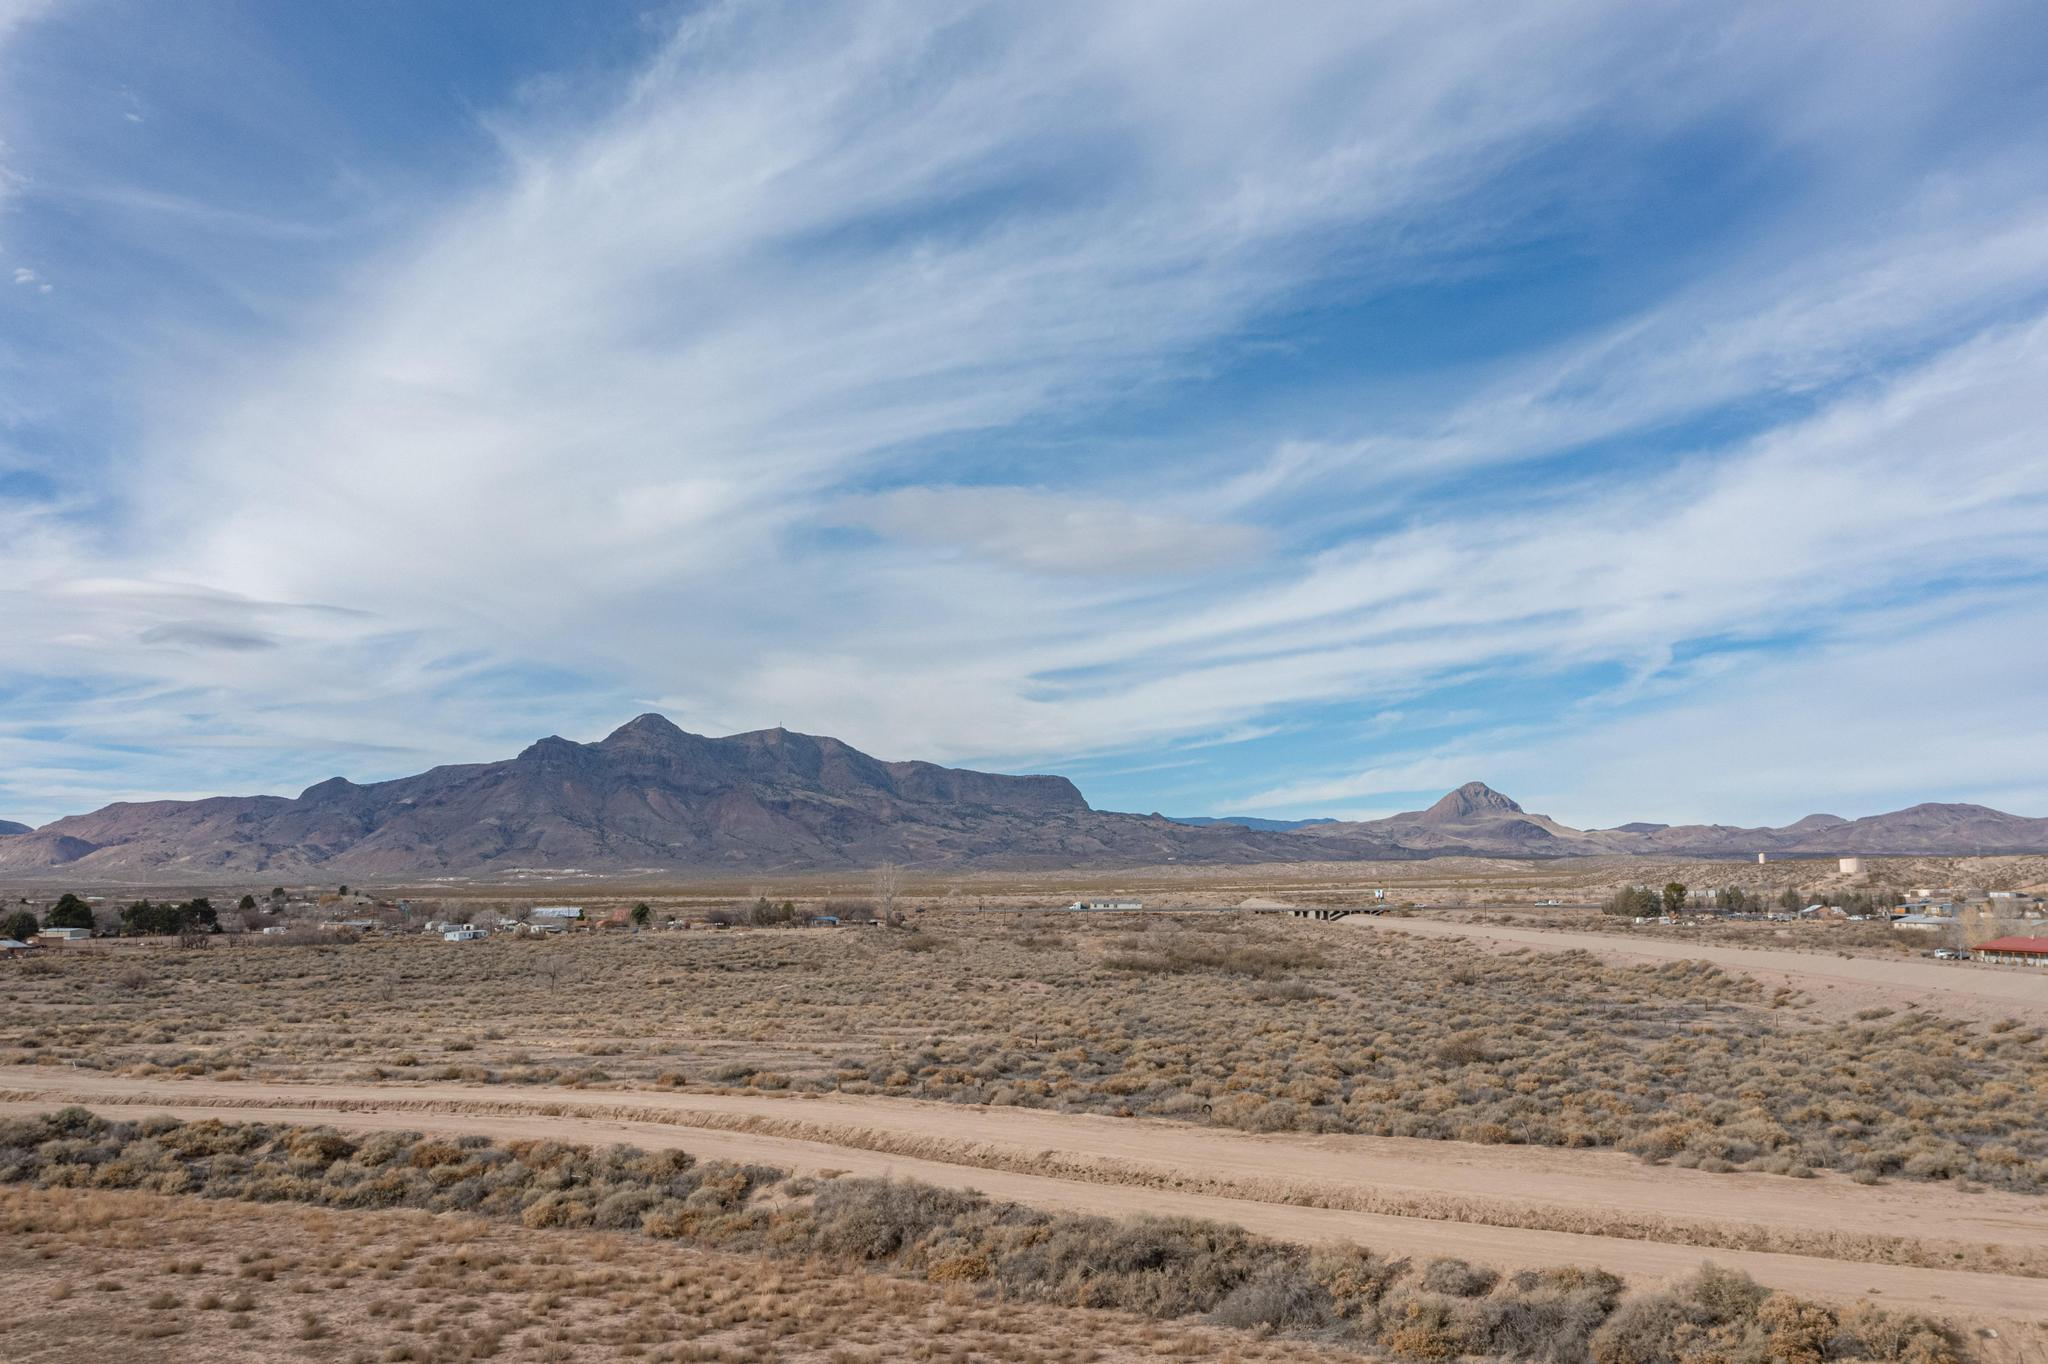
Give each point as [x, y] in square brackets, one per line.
[888, 886]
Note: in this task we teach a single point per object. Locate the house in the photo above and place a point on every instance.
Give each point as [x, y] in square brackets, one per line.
[826, 921]
[65, 934]
[2015, 951]
[1923, 923]
[10, 946]
[562, 912]
[463, 933]
[1107, 904]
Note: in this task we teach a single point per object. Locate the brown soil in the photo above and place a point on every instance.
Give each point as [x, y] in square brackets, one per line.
[1268, 1184]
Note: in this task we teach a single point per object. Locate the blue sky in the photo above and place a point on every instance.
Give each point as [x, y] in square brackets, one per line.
[1638, 408]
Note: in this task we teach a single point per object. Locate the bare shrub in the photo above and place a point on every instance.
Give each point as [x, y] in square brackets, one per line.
[1162, 1268]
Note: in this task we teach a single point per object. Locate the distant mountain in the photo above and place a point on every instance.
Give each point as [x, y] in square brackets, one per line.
[1473, 818]
[1247, 822]
[1477, 819]
[650, 798]
[8, 827]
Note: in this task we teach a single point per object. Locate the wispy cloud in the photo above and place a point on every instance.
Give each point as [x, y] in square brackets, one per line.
[1021, 383]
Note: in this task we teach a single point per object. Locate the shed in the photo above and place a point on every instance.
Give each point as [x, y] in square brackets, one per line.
[66, 934]
[13, 945]
[2014, 951]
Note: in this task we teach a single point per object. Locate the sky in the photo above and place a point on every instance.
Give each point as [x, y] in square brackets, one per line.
[1293, 412]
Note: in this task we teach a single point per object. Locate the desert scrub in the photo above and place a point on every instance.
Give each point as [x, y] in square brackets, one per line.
[410, 1286]
[1160, 1268]
[1260, 1024]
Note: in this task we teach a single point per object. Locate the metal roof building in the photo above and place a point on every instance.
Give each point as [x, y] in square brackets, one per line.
[2014, 951]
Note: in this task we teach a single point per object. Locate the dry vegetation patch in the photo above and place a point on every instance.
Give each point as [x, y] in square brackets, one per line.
[1260, 1025]
[249, 1284]
[984, 1252]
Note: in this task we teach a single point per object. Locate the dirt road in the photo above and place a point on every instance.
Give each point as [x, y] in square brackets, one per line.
[1456, 1198]
[1963, 989]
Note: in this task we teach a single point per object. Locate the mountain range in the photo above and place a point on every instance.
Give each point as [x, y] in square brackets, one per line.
[1477, 819]
[651, 798]
[1248, 822]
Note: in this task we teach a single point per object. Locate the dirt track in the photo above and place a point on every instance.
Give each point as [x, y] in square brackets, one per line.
[1123, 1166]
[1958, 989]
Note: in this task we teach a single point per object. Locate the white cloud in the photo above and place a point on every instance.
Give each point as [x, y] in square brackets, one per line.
[1048, 532]
[601, 415]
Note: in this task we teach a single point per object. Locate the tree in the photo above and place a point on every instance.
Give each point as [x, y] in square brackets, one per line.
[143, 919]
[248, 903]
[20, 925]
[641, 914]
[1791, 899]
[1631, 902]
[69, 912]
[888, 885]
[1674, 897]
[767, 914]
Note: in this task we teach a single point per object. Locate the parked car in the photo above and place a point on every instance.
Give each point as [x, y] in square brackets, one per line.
[1950, 954]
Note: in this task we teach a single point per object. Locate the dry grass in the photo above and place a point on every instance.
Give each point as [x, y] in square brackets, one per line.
[1246, 1024]
[978, 1249]
[245, 1280]
[1253, 1024]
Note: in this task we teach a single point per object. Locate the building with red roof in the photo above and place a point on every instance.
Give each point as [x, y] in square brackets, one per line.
[2013, 951]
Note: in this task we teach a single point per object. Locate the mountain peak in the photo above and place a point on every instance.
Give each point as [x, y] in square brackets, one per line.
[644, 728]
[1473, 798]
[324, 790]
[8, 826]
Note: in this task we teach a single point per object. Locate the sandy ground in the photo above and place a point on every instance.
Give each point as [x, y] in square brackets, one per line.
[1081, 1163]
[1956, 989]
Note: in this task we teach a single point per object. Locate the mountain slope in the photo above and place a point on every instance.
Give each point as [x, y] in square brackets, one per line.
[647, 797]
[1473, 818]
[1477, 819]
[651, 798]
[8, 828]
